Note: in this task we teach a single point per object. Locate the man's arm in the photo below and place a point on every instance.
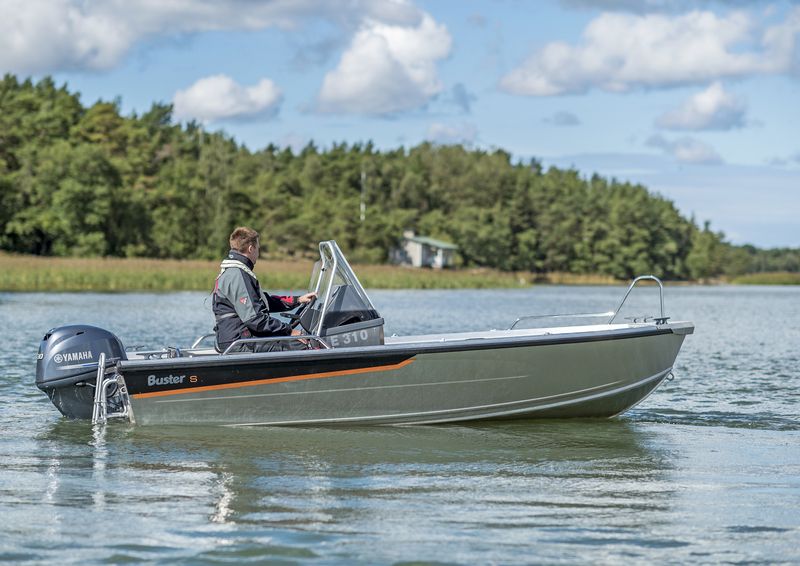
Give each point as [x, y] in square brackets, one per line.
[277, 303]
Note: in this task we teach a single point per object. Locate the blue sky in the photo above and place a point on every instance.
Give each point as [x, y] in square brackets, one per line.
[699, 101]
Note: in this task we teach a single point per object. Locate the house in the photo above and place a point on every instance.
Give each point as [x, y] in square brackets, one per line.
[421, 251]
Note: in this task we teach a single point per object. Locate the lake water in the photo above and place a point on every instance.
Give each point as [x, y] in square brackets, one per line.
[706, 470]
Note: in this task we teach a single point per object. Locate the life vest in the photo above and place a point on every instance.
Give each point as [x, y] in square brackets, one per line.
[227, 264]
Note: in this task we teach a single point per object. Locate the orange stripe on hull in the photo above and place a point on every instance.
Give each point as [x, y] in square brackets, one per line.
[274, 380]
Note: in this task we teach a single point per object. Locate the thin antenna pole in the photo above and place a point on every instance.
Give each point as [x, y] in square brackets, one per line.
[363, 194]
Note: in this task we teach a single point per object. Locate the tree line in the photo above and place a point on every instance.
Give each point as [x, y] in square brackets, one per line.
[87, 181]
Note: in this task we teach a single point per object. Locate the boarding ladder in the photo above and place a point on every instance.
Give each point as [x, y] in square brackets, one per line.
[103, 383]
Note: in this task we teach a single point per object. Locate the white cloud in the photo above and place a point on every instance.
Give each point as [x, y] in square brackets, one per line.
[621, 52]
[389, 65]
[711, 109]
[686, 149]
[387, 68]
[42, 36]
[219, 97]
[38, 35]
[452, 133]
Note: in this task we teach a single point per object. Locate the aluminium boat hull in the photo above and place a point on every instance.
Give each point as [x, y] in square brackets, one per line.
[589, 372]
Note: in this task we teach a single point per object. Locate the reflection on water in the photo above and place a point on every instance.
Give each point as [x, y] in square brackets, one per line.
[387, 490]
[707, 469]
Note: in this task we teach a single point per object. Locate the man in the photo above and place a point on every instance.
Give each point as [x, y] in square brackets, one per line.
[241, 308]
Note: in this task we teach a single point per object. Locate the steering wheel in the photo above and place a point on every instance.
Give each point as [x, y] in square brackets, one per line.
[295, 317]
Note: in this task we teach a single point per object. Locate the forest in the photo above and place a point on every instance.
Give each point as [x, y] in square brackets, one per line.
[87, 181]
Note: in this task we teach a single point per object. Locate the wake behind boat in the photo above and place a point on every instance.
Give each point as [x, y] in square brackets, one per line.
[352, 374]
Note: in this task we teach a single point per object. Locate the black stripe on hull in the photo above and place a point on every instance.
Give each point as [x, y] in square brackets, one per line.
[184, 379]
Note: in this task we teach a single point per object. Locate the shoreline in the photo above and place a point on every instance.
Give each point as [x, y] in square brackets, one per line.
[24, 273]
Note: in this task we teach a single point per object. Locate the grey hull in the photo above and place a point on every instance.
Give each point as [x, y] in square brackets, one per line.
[594, 374]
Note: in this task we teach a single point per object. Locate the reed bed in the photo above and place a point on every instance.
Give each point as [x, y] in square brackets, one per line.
[33, 273]
[564, 278]
[771, 278]
[26, 273]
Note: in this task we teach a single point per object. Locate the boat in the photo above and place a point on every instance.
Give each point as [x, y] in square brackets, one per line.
[541, 366]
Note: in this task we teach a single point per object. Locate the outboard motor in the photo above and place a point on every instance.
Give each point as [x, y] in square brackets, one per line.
[66, 367]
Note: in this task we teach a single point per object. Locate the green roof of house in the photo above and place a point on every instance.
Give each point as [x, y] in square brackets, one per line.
[433, 242]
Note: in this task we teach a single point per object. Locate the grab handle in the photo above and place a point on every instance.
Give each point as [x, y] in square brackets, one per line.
[658, 320]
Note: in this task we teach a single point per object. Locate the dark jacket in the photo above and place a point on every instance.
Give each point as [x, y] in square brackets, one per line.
[242, 309]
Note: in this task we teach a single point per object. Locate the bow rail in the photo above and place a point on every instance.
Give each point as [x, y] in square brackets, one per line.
[610, 315]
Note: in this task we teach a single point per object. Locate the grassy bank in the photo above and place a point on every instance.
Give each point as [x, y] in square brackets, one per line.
[563, 278]
[32, 273]
[776, 278]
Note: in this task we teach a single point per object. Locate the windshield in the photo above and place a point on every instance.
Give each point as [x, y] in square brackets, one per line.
[341, 299]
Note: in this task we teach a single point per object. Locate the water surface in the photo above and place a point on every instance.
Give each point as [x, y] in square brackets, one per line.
[707, 469]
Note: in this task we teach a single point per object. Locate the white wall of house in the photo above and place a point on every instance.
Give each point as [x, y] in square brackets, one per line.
[420, 254]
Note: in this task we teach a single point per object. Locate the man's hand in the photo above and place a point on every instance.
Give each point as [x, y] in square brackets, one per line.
[296, 332]
[307, 298]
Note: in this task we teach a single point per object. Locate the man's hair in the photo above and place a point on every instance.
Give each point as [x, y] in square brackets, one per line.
[242, 238]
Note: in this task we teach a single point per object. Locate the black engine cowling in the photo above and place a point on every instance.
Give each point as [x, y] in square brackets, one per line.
[67, 365]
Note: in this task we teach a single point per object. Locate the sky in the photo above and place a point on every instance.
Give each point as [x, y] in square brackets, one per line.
[697, 100]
